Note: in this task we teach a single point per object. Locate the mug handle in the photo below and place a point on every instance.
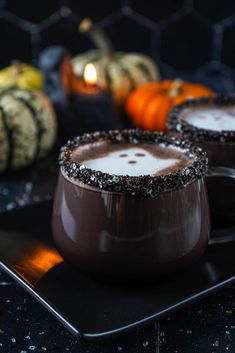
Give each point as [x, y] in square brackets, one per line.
[221, 171]
[219, 236]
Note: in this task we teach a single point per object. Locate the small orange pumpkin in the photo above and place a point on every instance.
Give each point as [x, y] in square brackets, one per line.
[148, 106]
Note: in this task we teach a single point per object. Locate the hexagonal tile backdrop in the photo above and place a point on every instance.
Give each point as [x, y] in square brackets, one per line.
[186, 42]
[125, 33]
[193, 39]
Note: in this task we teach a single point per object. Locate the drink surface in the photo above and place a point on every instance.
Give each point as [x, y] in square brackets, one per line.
[211, 118]
[130, 159]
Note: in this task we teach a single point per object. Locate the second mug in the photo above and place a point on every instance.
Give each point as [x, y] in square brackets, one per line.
[210, 123]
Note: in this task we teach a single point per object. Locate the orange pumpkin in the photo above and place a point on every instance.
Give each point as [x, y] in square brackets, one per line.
[148, 106]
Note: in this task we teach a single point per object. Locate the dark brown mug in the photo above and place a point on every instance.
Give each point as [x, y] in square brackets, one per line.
[133, 227]
[220, 147]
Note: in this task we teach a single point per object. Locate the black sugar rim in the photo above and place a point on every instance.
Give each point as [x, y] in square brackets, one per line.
[145, 186]
[188, 131]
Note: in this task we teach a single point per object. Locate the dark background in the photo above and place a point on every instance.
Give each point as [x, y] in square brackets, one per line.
[194, 39]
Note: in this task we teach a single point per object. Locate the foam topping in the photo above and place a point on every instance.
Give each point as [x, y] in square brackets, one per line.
[177, 162]
[211, 119]
[130, 161]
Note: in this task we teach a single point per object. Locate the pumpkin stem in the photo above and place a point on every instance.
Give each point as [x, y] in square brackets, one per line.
[176, 88]
[97, 36]
[17, 67]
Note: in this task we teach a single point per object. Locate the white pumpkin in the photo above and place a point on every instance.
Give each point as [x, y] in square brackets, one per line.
[118, 72]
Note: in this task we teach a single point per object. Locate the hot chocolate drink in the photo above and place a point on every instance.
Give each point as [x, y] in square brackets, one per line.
[210, 123]
[131, 203]
[211, 118]
[130, 159]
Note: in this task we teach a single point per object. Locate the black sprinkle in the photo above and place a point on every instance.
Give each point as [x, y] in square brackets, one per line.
[146, 185]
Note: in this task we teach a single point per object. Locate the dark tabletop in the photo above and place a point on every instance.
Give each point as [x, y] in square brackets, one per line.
[207, 326]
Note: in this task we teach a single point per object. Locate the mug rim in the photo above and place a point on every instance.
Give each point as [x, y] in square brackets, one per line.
[146, 186]
[80, 184]
[178, 124]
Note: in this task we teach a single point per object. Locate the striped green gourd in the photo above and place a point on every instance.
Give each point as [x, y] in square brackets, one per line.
[118, 72]
[28, 127]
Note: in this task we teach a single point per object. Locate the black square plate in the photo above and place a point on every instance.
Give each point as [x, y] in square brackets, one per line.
[94, 309]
